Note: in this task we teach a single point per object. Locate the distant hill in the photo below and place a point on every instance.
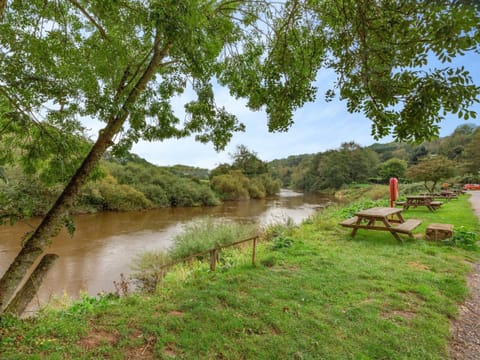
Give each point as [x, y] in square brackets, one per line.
[337, 167]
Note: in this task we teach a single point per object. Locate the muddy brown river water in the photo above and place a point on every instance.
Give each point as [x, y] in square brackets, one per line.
[104, 244]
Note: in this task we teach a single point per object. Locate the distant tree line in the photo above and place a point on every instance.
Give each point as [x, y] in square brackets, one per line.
[454, 156]
[130, 182]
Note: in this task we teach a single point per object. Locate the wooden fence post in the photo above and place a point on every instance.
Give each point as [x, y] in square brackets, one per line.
[213, 259]
[254, 252]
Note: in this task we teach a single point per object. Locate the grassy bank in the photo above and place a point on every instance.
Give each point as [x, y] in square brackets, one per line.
[314, 294]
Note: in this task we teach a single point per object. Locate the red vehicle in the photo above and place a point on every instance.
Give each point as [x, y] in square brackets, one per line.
[471, 187]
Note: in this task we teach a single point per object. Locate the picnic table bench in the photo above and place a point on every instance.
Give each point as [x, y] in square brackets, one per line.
[420, 200]
[377, 218]
[444, 194]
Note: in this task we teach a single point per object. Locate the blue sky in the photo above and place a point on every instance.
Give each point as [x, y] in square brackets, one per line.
[318, 126]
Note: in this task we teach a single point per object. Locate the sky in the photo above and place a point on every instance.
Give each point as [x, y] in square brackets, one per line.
[318, 126]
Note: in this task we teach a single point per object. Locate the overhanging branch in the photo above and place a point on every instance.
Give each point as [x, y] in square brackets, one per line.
[89, 17]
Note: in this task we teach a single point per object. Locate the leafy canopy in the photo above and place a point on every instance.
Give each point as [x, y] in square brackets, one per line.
[63, 61]
[431, 171]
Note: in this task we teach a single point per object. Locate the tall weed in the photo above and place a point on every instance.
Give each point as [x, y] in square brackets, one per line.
[207, 233]
[147, 269]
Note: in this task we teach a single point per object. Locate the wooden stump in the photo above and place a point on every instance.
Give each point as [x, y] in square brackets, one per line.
[439, 231]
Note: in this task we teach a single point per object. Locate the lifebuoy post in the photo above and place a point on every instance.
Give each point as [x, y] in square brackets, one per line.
[393, 191]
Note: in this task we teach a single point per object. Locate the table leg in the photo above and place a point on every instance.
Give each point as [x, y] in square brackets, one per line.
[392, 231]
[354, 231]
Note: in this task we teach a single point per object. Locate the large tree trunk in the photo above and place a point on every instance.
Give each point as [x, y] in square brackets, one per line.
[50, 226]
[23, 297]
[51, 223]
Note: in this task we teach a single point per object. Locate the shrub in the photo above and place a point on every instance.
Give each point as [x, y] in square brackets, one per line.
[122, 197]
[281, 242]
[463, 238]
[231, 186]
[155, 193]
[256, 190]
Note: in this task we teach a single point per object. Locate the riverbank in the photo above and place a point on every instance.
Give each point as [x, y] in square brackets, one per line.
[315, 293]
[106, 243]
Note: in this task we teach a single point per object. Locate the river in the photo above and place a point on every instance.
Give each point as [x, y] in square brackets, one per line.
[104, 244]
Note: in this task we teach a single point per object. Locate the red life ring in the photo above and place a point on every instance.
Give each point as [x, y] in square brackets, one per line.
[393, 190]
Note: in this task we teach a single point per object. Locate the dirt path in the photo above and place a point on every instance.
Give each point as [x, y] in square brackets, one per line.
[465, 343]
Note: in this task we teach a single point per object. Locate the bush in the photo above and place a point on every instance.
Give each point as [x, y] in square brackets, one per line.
[231, 186]
[463, 238]
[155, 193]
[256, 190]
[122, 197]
[271, 185]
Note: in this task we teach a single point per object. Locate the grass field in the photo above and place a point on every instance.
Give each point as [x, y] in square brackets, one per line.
[314, 294]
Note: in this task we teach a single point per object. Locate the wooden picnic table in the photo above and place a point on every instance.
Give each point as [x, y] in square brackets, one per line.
[448, 194]
[377, 218]
[444, 194]
[420, 200]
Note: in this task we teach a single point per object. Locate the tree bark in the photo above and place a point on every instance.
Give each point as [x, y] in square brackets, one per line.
[51, 223]
[23, 297]
[3, 4]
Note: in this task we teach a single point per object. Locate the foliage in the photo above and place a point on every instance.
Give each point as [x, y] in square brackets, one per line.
[454, 146]
[234, 185]
[362, 204]
[393, 168]
[207, 233]
[301, 171]
[335, 168]
[231, 186]
[463, 238]
[147, 269]
[432, 170]
[383, 61]
[281, 242]
[162, 187]
[121, 197]
[116, 186]
[247, 162]
[472, 151]
[410, 188]
[24, 195]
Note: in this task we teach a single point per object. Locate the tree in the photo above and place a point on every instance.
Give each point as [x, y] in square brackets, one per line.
[472, 154]
[393, 168]
[432, 171]
[453, 146]
[418, 153]
[122, 62]
[248, 162]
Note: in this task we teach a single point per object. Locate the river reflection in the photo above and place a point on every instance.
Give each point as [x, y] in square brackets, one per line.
[105, 243]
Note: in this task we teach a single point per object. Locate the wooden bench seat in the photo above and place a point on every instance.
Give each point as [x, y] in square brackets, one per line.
[436, 204]
[349, 222]
[407, 226]
[400, 203]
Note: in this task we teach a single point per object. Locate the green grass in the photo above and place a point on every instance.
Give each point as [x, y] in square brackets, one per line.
[314, 294]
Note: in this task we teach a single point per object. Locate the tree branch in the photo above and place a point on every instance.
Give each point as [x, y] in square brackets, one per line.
[89, 17]
[51, 223]
[3, 5]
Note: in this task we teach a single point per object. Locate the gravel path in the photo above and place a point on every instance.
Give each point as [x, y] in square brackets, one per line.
[465, 343]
